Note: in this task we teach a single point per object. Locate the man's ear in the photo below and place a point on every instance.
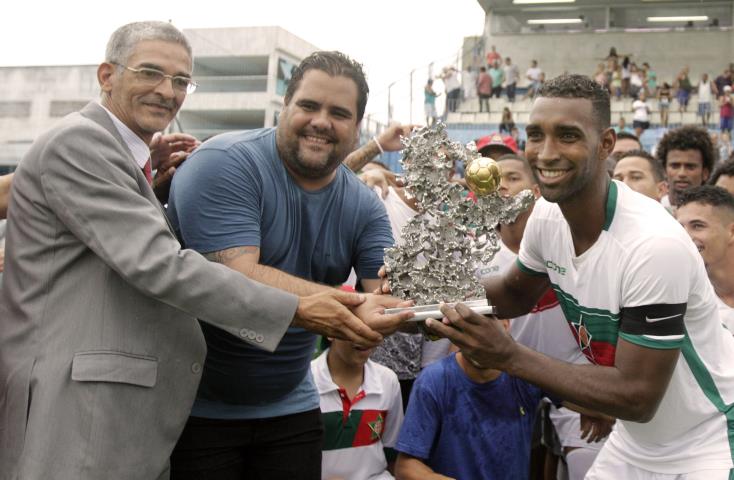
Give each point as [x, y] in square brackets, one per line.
[105, 76]
[705, 174]
[662, 189]
[607, 140]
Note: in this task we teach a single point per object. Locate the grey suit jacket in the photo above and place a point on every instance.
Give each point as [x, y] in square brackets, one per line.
[100, 350]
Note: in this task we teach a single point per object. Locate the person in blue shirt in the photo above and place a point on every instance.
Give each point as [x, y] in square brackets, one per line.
[278, 205]
[466, 422]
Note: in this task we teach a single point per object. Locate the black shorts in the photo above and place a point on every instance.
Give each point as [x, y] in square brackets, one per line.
[639, 124]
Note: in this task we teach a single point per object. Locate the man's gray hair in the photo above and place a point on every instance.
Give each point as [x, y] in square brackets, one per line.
[124, 39]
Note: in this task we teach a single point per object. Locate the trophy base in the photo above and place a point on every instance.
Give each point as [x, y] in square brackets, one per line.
[422, 312]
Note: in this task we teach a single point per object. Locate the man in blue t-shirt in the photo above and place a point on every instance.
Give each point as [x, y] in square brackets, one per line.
[466, 422]
[279, 206]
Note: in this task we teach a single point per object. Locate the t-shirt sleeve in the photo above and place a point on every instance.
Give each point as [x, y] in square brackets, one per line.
[422, 419]
[530, 258]
[394, 413]
[655, 287]
[375, 236]
[215, 198]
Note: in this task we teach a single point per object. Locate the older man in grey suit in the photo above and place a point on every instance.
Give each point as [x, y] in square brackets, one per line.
[100, 352]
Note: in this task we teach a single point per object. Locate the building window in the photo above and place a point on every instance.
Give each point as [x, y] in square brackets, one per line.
[10, 109]
[61, 108]
[285, 72]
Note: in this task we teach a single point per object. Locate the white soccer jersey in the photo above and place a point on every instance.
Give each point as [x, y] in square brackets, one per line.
[644, 257]
[727, 314]
[356, 432]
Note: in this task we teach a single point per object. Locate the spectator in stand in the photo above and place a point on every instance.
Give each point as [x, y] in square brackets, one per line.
[429, 102]
[600, 75]
[498, 77]
[507, 123]
[452, 85]
[621, 125]
[706, 91]
[625, 71]
[725, 146]
[642, 173]
[665, 96]
[615, 85]
[651, 79]
[511, 76]
[641, 114]
[684, 87]
[723, 80]
[726, 111]
[493, 57]
[724, 176]
[484, 89]
[515, 134]
[533, 75]
[626, 141]
[636, 81]
[707, 214]
[361, 410]
[688, 156]
[469, 83]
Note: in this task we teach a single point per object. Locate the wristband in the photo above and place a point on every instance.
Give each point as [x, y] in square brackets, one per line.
[382, 152]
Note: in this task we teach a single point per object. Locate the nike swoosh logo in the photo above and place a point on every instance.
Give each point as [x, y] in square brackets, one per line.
[653, 320]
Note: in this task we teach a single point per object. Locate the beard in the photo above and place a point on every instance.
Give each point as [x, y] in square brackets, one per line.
[298, 162]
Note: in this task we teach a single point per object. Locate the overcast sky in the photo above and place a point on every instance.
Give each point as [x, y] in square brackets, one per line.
[390, 37]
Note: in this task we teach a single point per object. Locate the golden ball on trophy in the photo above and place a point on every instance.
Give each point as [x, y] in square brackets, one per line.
[483, 176]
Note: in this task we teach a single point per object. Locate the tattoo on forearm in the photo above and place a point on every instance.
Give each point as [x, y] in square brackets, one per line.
[359, 158]
[225, 256]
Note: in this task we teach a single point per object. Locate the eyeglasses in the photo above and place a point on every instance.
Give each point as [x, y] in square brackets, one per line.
[153, 77]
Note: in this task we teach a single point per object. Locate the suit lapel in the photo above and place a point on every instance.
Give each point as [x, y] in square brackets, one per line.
[95, 112]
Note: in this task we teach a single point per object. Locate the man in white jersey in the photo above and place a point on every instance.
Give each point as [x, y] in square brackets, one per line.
[545, 329]
[707, 214]
[634, 288]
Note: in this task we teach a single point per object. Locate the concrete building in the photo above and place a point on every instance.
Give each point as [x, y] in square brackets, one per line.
[242, 75]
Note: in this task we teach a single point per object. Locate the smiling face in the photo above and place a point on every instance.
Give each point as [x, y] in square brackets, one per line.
[142, 108]
[348, 354]
[564, 148]
[318, 127]
[710, 229]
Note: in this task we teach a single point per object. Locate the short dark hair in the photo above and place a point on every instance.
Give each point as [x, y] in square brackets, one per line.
[726, 168]
[658, 172]
[518, 157]
[629, 136]
[688, 137]
[580, 86]
[335, 64]
[708, 195]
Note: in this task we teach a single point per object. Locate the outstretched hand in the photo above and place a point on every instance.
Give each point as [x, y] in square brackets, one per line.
[381, 179]
[372, 312]
[482, 339]
[329, 313]
[390, 138]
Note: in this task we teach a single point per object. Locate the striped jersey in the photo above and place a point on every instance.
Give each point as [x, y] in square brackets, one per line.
[644, 257]
[357, 431]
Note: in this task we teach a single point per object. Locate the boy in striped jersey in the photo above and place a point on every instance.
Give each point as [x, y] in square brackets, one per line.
[633, 286]
[362, 411]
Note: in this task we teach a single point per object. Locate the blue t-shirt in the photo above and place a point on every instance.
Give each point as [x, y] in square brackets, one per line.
[235, 191]
[463, 429]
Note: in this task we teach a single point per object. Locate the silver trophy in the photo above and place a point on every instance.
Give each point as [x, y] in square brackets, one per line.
[453, 234]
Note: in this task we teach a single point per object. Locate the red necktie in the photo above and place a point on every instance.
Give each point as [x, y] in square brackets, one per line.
[148, 172]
